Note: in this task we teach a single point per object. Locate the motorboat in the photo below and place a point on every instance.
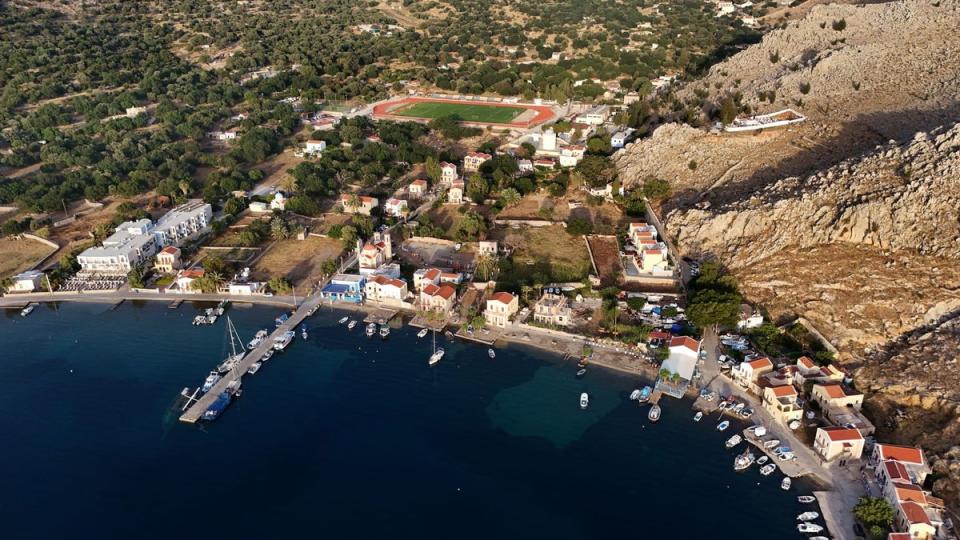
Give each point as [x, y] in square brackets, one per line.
[371, 329]
[267, 355]
[723, 405]
[491, 353]
[807, 527]
[27, 310]
[768, 469]
[581, 372]
[818, 538]
[654, 413]
[645, 394]
[723, 425]
[743, 461]
[806, 499]
[217, 407]
[760, 431]
[257, 339]
[635, 394]
[746, 413]
[733, 441]
[384, 331]
[739, 407]
[785, 485]
[312, 310]
[772, 443]
[762, 460]
[794, 424]
[233, 387]
[303, 332]
[282, 318]
[780, 450]
[786, 456]
[698, 416]
[254, 367]
[584, 400]
[808, 516]
[351, 325]
[422, 333]
[344, 320]
[212, 379]
[281, 342]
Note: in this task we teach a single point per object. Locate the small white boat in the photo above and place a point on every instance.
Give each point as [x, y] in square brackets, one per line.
[371, 329]
[785, 485]
[254, 367]
[808, 516]
[491, 353]
[739, 407]
[584, 400]
[787, 456]
[698, 416]
[795, 424]
[746, 413]
[351, 325]
[744, 461]
[762, 460]
[281, 342]
[267, 355]
[27, 310]
[344, 320]
[767, 469]
[422, 333]
[384, 331]
[772, 443]
[809, 527]
[723, 425]
[806, 499]
[654, 413]
[582, 372]
[760, 431]
[436, 356]
[818, 538]
[257, 339]
[212, 379]
[733, 441]
[635, 394]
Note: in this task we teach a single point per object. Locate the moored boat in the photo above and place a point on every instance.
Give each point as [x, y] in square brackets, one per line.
[27, 310]
[281, 342]
[697, 417]
[437, 352]
[733, 441]
[635, 394]
[809, 527]
[762, 460]
[806, 499]
[254, 367]
[257, 339]
[767, 469]
[582, 372]
[771, 443]
[422, 333]
[303, 332]
[645, 394]
[344, 320]
[723, 425]
[384, 331]
[282, 318]
[267, 355]
[491, 353]
[371, 329]
[584, 400]
[212, 379]
[351, 325]
[654, 413]
[743, 461]
[217, 407]
[785, 485]
[808, 516]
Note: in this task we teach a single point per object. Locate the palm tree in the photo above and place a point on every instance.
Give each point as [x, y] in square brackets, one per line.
[278, 229]
[486, 266]
[354, 201]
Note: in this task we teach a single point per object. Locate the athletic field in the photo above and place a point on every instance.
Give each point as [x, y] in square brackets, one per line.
[468, 112]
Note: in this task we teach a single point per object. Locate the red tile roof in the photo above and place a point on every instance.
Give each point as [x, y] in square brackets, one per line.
[657, 334]
[761, 363]
[685, 341]
[903, 454]
[896, 471]
[834, 391]
[910, 492]
[430, 289]
[837, 434]
[446, 291]
[914, 513]
[171, 250]
[806, 362]
[899, 536]
[384, 280]
[432, 274]
[784, 391]
[479, 155]
[502, 297]
[192, 273]
[420, 182]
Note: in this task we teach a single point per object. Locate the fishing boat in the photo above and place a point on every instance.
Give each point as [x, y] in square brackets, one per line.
[581, 372]
[344, 320]
[584, 400]
[743, 461]
[806, 499]
[257, 339]
[267, 355]
[723, 425]
[733, 441]
[303, 332]
[282, 318]
[785, 485]
[762, 460]
[780, 450]
[635, 394]
[281, 342]
[384, 331]
[808, 516]
[422, 333]
[760, 431]
[645, 394]
[212, 379]
[448, 334]
[491, 353]
[27, 310]
[371, 329]
[771, 443]
[767, 469]
[217, 407]
[351, 325]
[437, 352]
[746, 413]
[739, 407]
[254, 367]
[654, 413]
[697, 417]
[233, 360]
[809, 527]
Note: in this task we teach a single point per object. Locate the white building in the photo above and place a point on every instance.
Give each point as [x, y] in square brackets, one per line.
[395, 207]
[130, 246]
[618, 139]
[279, 202]
[314, 148]
[183, 223]
[385, 290]
[245, 289]
[596, 116]
[500, 307]
[571, 155]
[28, 281]
[448, 173]
[684, 353]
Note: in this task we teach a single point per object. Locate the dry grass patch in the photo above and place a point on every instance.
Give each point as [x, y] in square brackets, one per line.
[19, 255]
[545, 253]
[299, 261]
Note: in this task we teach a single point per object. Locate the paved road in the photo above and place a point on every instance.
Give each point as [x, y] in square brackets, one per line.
[116, 296]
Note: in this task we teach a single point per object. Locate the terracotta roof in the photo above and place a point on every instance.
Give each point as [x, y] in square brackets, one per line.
[903, 454]
[784, 391]
[479, 155]
[171, 250]
[834, 391]
[896, 471]
[369, 247]
[760, 363]
[384, 280]
[910, 492]
[502, 297]
[430, 289]
[445, 165]
[419, 182]
[432, 274]
[449, 275]
[685, 341]
[193, 274]
[446, 291]
[899, 536]
[837, 434]
[656, 334]
[914, 513]
[806, 362]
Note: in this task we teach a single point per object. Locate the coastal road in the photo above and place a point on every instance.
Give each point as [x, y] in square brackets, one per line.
[109, 297]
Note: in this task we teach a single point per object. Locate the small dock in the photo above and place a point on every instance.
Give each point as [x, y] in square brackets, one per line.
[195, 412]
[175, 304]
[380, 316]
[655, 397]
[117, 304]
[484, 336]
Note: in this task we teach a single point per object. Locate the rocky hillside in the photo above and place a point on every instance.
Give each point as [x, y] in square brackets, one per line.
[851, 219]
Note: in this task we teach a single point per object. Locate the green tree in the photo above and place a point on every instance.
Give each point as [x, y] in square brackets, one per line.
[656, 189]
[432, 167]
[486, 266]
[510, 197]
[728, 110]
[874, 512]
[279, 229]
[279, 285]
[135, 277]
[348, 236]
[579, 226]
[477, 188]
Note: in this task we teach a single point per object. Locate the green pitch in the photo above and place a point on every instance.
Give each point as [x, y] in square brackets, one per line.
[469, 112]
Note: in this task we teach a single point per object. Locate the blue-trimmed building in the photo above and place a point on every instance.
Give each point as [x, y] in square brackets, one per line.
[345, 288]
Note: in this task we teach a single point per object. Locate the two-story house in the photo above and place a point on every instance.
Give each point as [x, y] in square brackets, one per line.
[834, 443]
[385, 290]
[438, 298]
[473, 161]
[500, 307]
[781, 403]
[358, 204]
[553, 309]
[747, 374]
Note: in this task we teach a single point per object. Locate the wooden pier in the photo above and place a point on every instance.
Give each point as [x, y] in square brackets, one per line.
[195, 412]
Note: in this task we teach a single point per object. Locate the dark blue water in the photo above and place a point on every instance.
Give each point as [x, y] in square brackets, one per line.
[345, 437]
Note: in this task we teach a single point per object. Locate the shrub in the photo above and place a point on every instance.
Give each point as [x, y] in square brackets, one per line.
[578, 226]
[774, 57]
[804, 88]
[839, 25]
[692, 165]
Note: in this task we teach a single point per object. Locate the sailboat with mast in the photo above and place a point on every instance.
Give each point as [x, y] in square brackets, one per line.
[437, 353]
[236, 352]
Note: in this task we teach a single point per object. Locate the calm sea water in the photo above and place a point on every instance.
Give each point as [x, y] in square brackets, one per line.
[346, 437]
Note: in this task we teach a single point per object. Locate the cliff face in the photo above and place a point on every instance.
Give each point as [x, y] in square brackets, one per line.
[852, 218]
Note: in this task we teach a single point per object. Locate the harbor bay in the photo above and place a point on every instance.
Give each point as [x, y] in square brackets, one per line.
[347, 436]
